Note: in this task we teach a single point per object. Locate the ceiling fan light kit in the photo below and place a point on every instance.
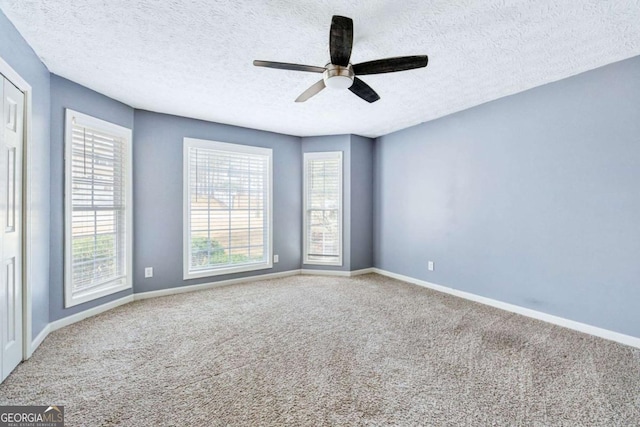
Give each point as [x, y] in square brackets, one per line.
[338, 77]
[340, 74]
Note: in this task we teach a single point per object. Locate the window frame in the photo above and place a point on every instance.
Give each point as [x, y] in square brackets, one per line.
[70, 298]
[305, 210]
[186, 219]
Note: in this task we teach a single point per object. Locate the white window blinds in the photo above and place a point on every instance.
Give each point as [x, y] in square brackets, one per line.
[323, 208]
[97, 216]
[227, 207]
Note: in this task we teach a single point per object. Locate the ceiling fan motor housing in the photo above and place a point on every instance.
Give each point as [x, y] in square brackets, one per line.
[338, 77]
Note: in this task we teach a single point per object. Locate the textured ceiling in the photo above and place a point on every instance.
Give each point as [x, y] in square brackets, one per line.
[194, 58]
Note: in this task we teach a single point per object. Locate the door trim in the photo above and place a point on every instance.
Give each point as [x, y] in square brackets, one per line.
[9, 73]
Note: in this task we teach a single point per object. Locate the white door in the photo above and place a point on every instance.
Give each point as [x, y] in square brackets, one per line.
[11, 143]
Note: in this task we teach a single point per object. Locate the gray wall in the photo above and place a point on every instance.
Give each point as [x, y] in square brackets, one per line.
[157, 177]
[18, 54]
[334, 143]
[67, 94]
[362, 150]
[532, 199]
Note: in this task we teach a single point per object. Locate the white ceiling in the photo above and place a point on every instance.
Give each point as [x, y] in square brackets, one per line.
[194, 58]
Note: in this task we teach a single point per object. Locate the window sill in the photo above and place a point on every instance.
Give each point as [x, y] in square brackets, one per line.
[93, 294]
[227, 270]
[327, 264]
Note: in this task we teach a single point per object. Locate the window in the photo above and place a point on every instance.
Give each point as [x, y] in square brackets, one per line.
[323, 208]
[227, 208]
[97, 208]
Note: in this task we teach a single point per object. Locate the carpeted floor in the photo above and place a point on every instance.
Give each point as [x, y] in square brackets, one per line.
[311, 351]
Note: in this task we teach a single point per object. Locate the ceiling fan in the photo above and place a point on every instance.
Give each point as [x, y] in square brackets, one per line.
[340, 73]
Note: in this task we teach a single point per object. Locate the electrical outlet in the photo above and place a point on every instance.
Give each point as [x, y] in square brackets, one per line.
[148, 272]
[275, 258]
[430, 266]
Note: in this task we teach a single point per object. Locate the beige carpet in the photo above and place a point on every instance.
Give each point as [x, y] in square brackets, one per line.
[327, 351]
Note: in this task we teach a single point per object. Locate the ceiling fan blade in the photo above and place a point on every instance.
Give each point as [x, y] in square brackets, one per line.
[341, 40]
[287, 66]
[313, 90]
[364, 91]
[390, 65]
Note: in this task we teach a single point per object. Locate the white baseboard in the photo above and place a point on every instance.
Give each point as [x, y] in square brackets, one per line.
[311, 272]
[39, 339]
[210, 285]
[339, 273]
[361, 272]
[560, 321]
[66, 321]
